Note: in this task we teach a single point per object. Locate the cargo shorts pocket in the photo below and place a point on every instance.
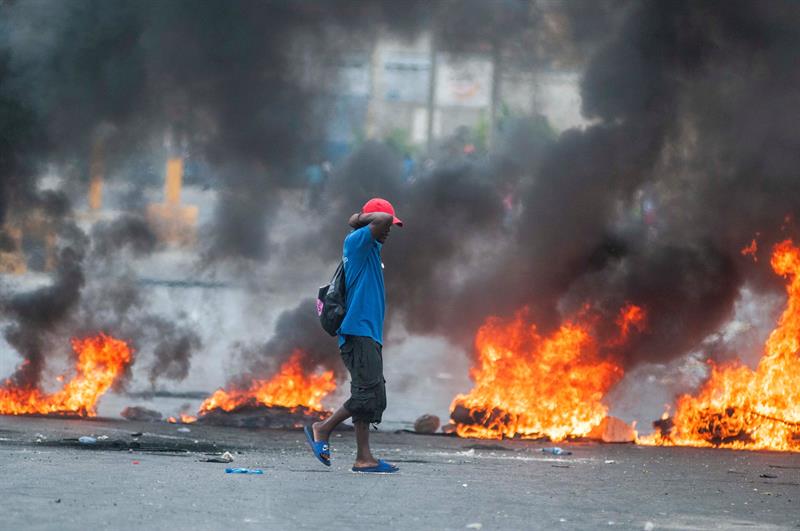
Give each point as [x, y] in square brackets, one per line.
[367, 404]
[363, 358]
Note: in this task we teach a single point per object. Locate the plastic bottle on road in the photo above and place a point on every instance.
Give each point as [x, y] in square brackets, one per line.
[243, 471]
[87, 440]
[555, 450]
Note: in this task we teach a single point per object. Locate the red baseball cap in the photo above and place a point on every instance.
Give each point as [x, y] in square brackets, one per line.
[376, 204]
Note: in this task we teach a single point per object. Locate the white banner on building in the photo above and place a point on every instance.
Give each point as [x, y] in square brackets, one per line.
[463, 81]
[406, 76]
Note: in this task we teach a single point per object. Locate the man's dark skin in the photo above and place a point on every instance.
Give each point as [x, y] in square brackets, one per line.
[380, 224]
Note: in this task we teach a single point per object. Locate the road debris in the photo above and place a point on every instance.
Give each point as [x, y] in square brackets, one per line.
[427, 424]
[256, 471]
[141, 414]
[224, 458]
[555, 450]
[449, 429]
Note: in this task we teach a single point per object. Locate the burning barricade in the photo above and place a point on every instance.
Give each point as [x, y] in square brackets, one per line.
[534, 386]
[742, 408]
[101, 360]
[290, 399]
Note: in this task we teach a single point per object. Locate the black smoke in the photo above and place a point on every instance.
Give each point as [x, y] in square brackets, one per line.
[240, 89]
[232, 86]
[689, 106]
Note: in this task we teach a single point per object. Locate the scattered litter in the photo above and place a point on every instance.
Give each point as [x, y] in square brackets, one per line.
[58, 500]
[243, 471]
[224, 458]
[86, 440]
[555, 450]
[184, 429]
[464, 485]
[134, 462]
[136, 434]
[474, 525]
[102, 438]
[649, 526]
[467, 453]
[40, 437]
[768, 476]
[562, 519]
[609, 461]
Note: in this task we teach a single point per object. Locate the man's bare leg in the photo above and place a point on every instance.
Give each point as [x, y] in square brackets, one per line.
[323, 428]
[363, 454]
[322, 432]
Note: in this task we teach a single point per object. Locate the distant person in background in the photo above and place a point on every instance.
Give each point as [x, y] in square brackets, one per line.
[361, 336]
[408, 169]
[316, 176]
[508, 196]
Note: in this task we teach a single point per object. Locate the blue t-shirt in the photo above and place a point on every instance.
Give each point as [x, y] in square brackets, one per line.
[364, 292]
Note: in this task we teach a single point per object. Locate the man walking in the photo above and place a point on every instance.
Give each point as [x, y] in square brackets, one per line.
[361, 336]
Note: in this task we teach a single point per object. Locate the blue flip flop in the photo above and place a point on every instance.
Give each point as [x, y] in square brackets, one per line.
[320, 448]
[381, 468]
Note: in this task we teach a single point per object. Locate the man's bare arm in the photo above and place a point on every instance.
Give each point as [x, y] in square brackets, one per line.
[378, 222]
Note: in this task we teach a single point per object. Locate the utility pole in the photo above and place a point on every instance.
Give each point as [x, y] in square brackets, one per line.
[497, 72]
[431, 91]
[375, 90]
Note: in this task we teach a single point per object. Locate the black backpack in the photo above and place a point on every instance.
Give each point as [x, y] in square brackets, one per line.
[331, 302]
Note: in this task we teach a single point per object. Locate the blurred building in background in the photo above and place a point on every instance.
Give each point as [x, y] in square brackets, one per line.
[413, 94]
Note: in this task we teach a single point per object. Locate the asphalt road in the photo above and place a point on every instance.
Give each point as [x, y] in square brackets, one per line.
[444, 483]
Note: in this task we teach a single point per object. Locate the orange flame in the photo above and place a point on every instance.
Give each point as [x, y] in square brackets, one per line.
[290, 387]
[182, 419]
[742, 408]
[535, 386]
[751, 250]
[101, 360]
[630, 317]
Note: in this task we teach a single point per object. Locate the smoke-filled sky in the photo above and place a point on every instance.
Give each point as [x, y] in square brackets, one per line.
[690, 112]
